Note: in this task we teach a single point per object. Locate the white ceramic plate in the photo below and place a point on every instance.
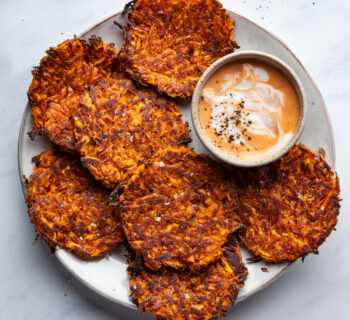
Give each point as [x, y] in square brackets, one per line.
[108, 275]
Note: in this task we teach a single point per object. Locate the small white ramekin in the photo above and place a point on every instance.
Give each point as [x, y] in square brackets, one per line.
[248, 56]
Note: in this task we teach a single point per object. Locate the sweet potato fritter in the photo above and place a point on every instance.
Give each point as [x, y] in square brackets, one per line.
[289, 207]
[69, 209]
[60, 79]
[170, 43]
[179, 294]
[119, 126]
[178, 209]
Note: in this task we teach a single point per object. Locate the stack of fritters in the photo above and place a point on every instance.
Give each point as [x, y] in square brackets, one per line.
[83, 101]
[180, 212]
[130, 137]
[288, 207]
[69, 209]
[170, 43]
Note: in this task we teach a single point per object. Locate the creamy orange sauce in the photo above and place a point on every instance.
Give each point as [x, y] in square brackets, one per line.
[249, 109]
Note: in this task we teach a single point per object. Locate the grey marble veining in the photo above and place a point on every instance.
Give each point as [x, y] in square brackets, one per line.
[33, 284]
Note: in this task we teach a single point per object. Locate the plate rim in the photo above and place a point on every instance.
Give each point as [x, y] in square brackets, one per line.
[20, 144]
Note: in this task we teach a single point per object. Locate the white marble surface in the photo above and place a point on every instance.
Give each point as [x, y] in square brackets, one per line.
[33, 285]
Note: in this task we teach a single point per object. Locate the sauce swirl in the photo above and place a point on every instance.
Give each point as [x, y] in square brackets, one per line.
[249, 109]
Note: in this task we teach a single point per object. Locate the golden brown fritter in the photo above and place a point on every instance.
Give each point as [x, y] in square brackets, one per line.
[69, 209]
[118, 126]
[60, 79]
[178, 209]
[170, 43]
[179, 294]
[289, 207]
